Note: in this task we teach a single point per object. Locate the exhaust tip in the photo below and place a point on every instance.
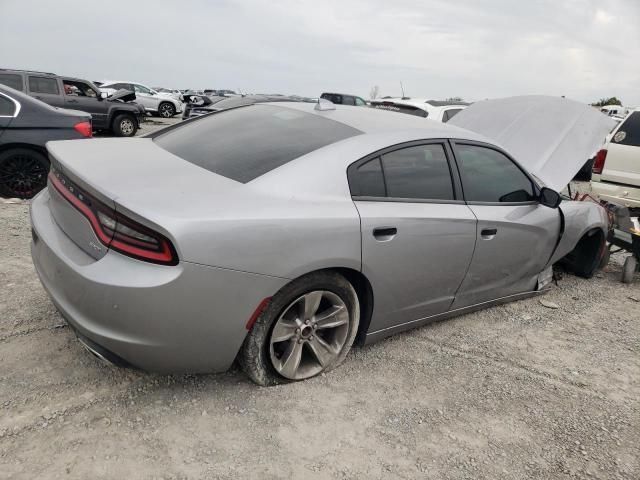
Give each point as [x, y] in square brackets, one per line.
[102, 354]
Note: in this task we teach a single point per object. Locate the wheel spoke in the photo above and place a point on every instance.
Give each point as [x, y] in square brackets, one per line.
[333, 317]
[323, 352]
[291, 359]
[282, 331]
[309, 304]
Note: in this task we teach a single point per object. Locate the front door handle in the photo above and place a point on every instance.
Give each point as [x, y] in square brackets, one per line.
[72, 101]
[384, 234]
[488, 233]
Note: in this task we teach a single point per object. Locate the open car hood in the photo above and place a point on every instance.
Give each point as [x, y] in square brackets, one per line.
[123, 95]
[551, 137]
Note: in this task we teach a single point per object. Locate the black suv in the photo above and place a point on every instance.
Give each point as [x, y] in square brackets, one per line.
[114, 114]
[342, 99]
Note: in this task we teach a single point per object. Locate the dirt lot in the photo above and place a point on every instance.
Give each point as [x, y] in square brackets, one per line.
[517, 391]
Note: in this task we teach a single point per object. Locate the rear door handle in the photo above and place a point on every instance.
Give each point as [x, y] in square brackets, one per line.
[72, 101]
[384, 233]
[488, 233]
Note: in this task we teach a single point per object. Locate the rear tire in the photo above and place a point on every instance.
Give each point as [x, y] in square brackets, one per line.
[23, 172]
[629, 269]
[332, 321]
[124, 125]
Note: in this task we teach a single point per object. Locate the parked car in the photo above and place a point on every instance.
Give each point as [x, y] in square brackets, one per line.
[161, 104]
[344, 99]
[201, 105]
[440, 111]
[174, 93]
[26, 125]
[616, 169]
[219, 93]
[295, 230]
[117, 114]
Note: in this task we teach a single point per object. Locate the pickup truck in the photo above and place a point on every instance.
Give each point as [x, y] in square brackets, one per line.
[116, 113]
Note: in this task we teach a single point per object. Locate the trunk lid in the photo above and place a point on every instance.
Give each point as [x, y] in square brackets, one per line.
[551, 137]
[136, 178]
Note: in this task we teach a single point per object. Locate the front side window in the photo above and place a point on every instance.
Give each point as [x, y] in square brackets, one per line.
[43, 85]
[141, 89]
[7, 107]
[346, 100]
[11, 80]
[490, 176]
[420, 173]
[78, 89]
[360, 102]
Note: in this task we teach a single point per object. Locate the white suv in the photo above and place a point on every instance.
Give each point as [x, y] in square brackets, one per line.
[440, 111]
[162, 104]
[616, 169]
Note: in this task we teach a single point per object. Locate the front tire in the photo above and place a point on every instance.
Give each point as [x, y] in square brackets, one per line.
[307, 328]
[166, 110]
[124, 125]
[23, 172]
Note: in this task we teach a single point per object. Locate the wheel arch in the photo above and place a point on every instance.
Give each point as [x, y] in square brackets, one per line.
[364, 291]
[585, 257]
[30, 146]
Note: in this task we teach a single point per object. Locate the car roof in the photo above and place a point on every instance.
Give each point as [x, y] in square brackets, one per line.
[10, 70]
[373, 121]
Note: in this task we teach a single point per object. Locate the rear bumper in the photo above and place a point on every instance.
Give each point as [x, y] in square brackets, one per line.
[183, 318]
[619, 194]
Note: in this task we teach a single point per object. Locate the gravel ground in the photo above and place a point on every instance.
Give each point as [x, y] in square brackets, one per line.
[519, 391]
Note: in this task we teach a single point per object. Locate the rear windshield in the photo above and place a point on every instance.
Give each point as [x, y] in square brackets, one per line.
[398, 107]
[629, 131]
[247, 142]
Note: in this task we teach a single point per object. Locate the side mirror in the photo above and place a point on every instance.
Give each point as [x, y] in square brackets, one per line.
[103, 95]
[549, 198]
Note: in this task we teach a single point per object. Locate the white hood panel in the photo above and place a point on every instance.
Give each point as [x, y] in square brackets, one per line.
[551, 137]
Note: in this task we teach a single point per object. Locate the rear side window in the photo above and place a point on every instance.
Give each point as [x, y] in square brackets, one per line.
[247, 142]
[7, 107]
[12, 80]
[489, 176]
[629, 131]
[420, 173]
[43, 85]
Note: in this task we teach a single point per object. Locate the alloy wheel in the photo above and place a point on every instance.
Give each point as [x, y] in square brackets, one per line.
[166, 110]
[309, 335]
[22, 175]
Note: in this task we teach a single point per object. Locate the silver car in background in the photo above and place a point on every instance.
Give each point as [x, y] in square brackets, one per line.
[280, 234]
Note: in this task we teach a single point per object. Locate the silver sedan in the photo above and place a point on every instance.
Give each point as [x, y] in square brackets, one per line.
[280, 234]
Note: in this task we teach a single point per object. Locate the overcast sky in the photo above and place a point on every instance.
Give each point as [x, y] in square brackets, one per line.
[584, 49]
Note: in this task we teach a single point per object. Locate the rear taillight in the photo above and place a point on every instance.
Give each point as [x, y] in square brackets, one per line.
[598, 164]
[83, 128]
[115, 230]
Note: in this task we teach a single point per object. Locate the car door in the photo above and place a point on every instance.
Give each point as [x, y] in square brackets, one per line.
[47, 89]
[516, 235]
[145, 97]
[417, 233]
[81, 96]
